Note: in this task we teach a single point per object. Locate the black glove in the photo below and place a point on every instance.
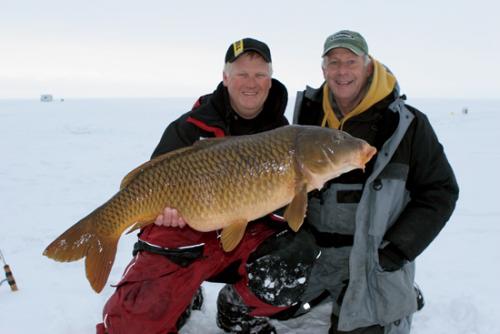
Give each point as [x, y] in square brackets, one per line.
[391, 258]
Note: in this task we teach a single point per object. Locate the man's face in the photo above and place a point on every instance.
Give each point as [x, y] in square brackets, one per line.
[248, 82]
[346, 75]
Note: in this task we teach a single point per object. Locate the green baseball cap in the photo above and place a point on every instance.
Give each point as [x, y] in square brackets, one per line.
[346, 39]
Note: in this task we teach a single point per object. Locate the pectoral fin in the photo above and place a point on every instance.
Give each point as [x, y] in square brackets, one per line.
[296, 210]
[232, 235]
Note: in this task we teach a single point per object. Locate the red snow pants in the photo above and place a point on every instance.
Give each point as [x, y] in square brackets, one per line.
[154, 292]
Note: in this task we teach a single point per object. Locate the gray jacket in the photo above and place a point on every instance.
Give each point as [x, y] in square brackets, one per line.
[375, 296]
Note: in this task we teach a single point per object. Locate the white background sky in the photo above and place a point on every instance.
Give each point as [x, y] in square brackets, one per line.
[159, 48]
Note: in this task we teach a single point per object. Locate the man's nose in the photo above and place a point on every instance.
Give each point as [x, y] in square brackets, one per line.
[251, 81]
[343, 67]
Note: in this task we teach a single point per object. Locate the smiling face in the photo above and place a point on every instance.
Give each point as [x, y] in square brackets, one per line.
[346, 75]
[248, 80]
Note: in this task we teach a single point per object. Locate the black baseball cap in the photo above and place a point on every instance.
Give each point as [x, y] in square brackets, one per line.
[237, 48]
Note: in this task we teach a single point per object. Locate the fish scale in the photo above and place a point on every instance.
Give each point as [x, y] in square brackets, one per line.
[215, 184]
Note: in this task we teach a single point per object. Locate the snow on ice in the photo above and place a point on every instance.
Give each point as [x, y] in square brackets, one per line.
[59, 161]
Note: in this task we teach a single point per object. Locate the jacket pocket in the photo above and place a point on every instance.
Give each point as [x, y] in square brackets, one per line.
[394, 295]
[335, 209]
[147, 266]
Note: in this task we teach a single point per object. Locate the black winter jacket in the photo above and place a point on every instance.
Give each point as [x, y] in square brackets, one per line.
[212, 116]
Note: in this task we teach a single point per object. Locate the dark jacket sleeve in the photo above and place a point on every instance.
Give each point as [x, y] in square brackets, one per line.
[433, 192]
[178, 134]
[283, 121]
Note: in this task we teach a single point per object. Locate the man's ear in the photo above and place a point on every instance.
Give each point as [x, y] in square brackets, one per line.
[370, 68]
[224, 78]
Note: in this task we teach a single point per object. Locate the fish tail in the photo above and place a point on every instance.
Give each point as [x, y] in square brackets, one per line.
[80, 241]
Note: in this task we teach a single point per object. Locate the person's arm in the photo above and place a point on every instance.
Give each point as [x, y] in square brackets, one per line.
[433, 192]
[178, 134]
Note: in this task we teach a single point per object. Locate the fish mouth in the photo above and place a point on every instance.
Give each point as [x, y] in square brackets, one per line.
[367, 152]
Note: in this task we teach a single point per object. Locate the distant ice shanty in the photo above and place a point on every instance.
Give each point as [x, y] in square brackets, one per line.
[46, 98]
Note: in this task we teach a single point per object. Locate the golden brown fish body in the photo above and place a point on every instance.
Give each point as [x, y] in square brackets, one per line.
[215, 184]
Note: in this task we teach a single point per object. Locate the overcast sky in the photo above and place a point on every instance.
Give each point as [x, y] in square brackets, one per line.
[160, 48]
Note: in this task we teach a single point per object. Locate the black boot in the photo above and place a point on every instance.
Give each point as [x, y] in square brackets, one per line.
[420, 297]
[196, 304]
[278, 270]
[233, 316]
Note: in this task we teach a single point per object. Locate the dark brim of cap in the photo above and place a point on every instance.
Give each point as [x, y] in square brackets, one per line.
[263, 55]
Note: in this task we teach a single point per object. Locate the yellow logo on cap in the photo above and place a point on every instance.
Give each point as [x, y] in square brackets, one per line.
[238, 48]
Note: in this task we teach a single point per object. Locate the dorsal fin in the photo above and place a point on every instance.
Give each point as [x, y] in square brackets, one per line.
[200, 144]
[148, 164]
[209, 141]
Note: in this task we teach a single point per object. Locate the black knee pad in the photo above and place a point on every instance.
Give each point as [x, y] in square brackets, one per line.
[278, 270]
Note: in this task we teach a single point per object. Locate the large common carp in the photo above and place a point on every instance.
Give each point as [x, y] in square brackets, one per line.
[215, 184]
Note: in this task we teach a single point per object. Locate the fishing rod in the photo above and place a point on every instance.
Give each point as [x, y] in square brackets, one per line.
[8, 274]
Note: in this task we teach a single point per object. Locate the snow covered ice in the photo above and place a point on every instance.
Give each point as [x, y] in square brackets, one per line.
[60, 160]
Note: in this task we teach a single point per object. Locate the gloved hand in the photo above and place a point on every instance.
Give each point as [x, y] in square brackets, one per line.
[391, 258]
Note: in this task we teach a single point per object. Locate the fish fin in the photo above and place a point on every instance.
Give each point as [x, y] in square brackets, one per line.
[151, 163]
[210, 141]
[80, 241]
[170, 155]
[139, 224]
[72, 245]
[232, 234]
[99, 260]
[296, 210]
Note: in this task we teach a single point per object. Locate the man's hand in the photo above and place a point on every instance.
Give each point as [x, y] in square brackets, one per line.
[170, 218]
[391, 258]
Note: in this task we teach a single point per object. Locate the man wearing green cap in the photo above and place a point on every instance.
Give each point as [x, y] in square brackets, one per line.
[372, 225]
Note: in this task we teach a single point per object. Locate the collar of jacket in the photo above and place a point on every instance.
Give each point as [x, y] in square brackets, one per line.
[216, 109]
[382, 83]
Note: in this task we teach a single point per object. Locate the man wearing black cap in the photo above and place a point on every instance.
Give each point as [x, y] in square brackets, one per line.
[171, 263]
[372, 225]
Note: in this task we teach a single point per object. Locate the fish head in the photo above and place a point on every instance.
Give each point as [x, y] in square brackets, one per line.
[327, 153]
